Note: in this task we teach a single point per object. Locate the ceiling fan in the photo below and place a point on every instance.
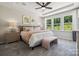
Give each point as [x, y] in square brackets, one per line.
[43, 5]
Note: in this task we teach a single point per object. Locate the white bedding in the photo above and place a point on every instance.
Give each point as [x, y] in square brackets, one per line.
[36, 38]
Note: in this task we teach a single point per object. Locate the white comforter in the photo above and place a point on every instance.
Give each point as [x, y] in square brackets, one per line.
[36, 38]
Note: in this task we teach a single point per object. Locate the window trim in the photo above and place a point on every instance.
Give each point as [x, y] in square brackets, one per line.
[61, 19]
[49, 24]
[57, 23]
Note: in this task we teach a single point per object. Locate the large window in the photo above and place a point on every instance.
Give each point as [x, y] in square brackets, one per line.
[57, 24]
[49, 24]
[68, 22]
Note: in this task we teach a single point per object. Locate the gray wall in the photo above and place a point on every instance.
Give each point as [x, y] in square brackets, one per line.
[67, 35]
[12, 14]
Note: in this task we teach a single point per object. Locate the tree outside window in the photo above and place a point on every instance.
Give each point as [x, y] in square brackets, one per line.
[57, 24]
[68, 22]
[49, 24]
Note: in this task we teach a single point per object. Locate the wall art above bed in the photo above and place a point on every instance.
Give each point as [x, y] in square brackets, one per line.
[26, 20]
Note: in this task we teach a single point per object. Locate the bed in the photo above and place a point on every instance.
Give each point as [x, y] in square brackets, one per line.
[34, 38]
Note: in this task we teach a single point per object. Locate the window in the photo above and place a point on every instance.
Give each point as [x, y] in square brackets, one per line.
[68, 22]
[57, 23]
[49, 24]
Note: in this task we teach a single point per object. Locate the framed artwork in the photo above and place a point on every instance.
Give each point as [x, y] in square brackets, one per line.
[26, 19]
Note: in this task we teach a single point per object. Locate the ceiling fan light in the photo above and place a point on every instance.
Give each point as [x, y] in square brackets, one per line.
[43, 8]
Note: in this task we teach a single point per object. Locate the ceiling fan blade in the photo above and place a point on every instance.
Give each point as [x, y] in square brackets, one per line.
[48, 7]
[43, 3]
[38, 3]
[47, 3]
[38, 8]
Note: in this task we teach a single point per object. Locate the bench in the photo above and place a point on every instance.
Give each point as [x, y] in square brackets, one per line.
[48, 41]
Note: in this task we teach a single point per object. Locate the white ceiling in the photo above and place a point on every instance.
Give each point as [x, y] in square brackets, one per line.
[30, 6]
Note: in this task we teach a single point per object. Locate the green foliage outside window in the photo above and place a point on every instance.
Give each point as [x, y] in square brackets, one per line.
[68, 22]
[57, 23]
[49, 24]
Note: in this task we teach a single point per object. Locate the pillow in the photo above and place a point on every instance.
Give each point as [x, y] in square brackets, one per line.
[26, 35]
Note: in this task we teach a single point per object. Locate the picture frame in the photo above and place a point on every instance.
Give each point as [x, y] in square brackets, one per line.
[26, 20]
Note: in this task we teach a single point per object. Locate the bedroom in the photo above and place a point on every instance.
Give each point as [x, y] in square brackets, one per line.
[41, 24]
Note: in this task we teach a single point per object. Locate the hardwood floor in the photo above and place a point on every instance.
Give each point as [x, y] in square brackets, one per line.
[63, 48]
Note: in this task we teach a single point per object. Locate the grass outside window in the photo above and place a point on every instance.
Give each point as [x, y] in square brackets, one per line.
[49, 24]
[49, 27]
[68, 26]
[57, 27]
[57, 24]
[68, 23]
